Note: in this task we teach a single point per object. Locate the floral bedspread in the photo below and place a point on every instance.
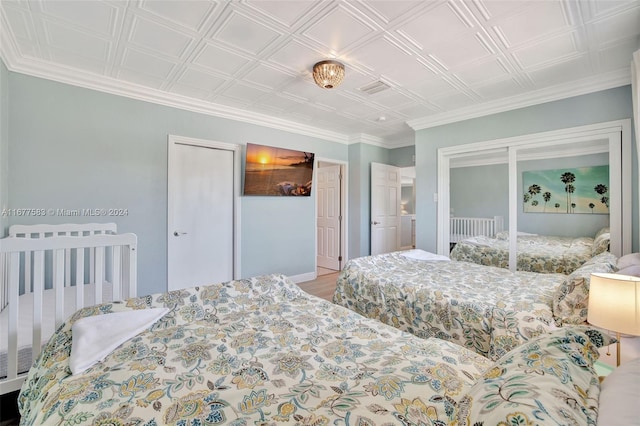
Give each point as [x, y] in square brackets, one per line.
[486, 309]
[535, 253]
[249, 352]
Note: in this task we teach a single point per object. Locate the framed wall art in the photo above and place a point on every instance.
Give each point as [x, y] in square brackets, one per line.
[569, 191]
[277, 171]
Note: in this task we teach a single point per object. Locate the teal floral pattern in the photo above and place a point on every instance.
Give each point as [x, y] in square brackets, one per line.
[535, 253]
[258, 351]
[571, 299]
[485, 309]
[549, 380]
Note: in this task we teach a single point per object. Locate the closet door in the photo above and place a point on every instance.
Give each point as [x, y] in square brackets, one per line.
[200, 244]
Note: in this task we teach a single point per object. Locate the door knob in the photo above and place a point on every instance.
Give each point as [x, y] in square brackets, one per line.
[177, 234]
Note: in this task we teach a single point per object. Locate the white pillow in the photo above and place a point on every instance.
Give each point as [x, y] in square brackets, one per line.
[630, 259]
[633, 270]
[620, 396]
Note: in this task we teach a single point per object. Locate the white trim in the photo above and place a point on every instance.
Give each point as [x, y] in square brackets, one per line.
[635, 95]
[172, 141]
[300, 278]
[566, 90]
[615, 133]
[51, 71]
[344, 227]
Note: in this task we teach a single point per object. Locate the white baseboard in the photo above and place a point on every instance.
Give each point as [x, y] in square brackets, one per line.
[309, 276]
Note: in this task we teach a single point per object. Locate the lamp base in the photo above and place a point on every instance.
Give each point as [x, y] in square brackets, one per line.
[630, 350]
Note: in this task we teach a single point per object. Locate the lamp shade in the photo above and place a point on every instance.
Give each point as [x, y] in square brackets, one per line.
[614, 303]
[328, 74]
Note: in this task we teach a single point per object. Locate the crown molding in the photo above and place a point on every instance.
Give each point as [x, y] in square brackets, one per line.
[368, 139]
[606, 81]
[55, 72]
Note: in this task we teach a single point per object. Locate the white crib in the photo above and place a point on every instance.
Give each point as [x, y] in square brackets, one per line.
[461, 228]
[47, 272]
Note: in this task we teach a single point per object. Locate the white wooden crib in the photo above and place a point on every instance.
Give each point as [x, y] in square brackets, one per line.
[47, 272]
[461, 228]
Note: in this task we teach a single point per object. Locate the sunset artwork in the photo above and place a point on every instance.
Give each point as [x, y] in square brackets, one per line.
[277, 171]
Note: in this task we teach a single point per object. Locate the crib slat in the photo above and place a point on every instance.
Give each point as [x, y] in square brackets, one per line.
[58, 284]
[79, 278]
[38, 289]
[132, 268]
[13, 311]
[99, 272]
[115, 275]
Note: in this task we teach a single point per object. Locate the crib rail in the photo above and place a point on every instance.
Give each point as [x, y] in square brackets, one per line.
[64, 229]
[466, 227]
[114, 256]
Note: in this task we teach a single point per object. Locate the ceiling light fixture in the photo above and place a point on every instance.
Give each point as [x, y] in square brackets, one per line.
[328, 74]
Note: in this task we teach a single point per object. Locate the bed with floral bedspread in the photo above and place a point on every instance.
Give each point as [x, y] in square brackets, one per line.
[535, 253]
[486, 309]
[253, 351]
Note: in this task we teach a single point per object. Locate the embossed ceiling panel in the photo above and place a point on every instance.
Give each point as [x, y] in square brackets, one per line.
[98, 18]
[192, 17]
[442, 60]
[77, 42]
[246, 34]
[338, 29]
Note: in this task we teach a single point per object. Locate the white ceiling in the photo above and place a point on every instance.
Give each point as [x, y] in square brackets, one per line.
[251, 60]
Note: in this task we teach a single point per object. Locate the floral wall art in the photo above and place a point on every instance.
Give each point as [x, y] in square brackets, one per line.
[569, 191]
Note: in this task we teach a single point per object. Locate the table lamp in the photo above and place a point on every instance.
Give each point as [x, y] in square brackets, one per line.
[614, 304]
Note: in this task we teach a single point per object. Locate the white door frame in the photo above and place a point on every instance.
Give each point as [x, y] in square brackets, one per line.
[621, 223]
[174, 140]
[344, 231]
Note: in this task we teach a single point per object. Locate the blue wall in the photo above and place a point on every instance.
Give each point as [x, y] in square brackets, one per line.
[607, 105]
[74, 148]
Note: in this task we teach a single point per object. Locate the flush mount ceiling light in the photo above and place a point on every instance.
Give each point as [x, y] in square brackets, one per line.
[328, 74]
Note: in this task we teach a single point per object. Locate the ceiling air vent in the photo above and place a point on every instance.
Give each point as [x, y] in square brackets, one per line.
[375, 87]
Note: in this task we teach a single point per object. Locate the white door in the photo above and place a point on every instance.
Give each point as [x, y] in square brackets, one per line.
[329, 216]
[385, 208]
[200, 244]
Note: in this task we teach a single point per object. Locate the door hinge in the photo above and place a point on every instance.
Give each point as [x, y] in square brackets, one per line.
[339, 258]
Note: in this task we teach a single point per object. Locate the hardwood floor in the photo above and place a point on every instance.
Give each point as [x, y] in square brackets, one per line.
[324, 286]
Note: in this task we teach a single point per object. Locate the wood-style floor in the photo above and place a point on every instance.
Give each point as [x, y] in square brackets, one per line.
[324, 286]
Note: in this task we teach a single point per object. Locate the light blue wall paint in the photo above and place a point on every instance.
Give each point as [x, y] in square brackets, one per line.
[607, 105]
[482, 191]
[402, 157]
[4, 146]
[76, 148]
